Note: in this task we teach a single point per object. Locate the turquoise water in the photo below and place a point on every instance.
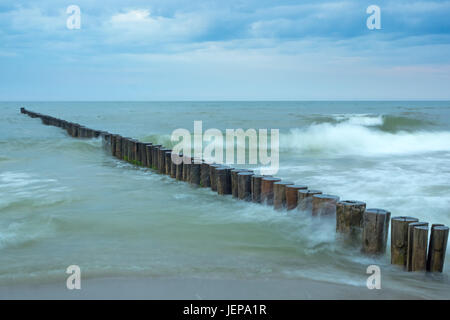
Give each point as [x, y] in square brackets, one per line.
[65, 201]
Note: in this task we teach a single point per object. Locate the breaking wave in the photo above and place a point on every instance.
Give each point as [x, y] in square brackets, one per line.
[362, 135]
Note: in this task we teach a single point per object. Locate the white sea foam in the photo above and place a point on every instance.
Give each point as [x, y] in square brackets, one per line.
[351, 139]
[360, 119]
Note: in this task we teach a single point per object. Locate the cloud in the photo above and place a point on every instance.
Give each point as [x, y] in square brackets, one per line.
[139, 25]
[274, 49]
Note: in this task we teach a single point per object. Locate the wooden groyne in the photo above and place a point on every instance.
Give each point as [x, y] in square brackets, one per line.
[366, 228]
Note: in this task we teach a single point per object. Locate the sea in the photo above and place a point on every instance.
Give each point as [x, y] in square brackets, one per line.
[66, 201]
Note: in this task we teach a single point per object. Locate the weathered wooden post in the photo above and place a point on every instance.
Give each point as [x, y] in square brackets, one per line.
[304, 200]
[179, 166]
[205, 181]
[148, 155]
[134, 154]
[350, 218]
[223, 178]
[256, 188]
[212, 175]
[399, 239]
[437, 248]
[118, 147]
[162, 160]
[292, 195]
[410, 247]
[375, 231]
[130, 149]
[137, 153]
[168, 161]
[69, 128]
[267, 189]
[142, 158]
[324, 204]
[155, 156]
[234, 182]
[106, 140]
[173, 167]
[195, 173]
[113, 144]
[81, 132]
[245, 185]
[75, 130]
[89, 133]
[279, 194]
[44, 120]
[419, 248]
[187, 162]
[126, 148]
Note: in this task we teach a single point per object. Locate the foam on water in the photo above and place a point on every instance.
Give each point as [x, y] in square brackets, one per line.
[355, 139]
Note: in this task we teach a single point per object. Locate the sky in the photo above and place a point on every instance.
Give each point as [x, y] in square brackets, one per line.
[224, 50]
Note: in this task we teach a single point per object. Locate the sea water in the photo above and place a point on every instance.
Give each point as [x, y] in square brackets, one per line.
[66, 201]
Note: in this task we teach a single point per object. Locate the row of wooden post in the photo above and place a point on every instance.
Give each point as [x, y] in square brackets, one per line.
[369, 227]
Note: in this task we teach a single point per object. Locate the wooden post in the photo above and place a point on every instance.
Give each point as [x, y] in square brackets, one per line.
[292, 195]
[173, 166]
[81, 132]
[106, 138]
[324, 204]
[89, 133]
[375, 231]
[304, 200]
[399, 239]
[195, 173]
[113, 145]
[168, 161]
[410, 247]
[118, 146]
[245, 185]
[350, 218]
[187, 161]
[279, 194]
[437, 248]
[75, 130]
[126, 148]
[162, 160]
[148, 155]
[136, 147]
[142, 157]
[212, 175]
[256, 188]
[130, 149]
[267, 189]
[419, 248]
[155, 156]
[223, 178]
[205, 181]
[179, 166]
[234, 182]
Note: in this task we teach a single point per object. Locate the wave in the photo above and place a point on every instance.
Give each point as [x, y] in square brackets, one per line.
[350, 139]
[360, 119]
[406, 121]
